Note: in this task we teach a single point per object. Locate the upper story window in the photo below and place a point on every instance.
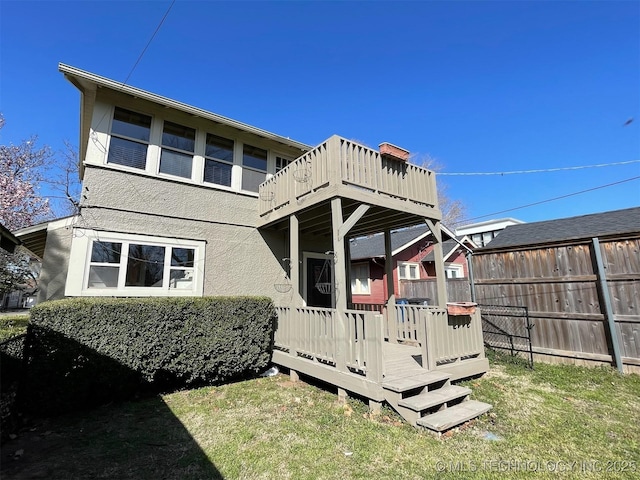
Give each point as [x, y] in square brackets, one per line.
[130, 133]
[218, 161]
[408, 271]
[178, 145]
[254, 161]
[282, 162]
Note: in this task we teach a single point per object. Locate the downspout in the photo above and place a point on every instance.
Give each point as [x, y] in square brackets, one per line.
[472, 286]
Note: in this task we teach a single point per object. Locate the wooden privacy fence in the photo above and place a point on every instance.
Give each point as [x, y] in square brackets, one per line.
[458, 289]
[583, 297]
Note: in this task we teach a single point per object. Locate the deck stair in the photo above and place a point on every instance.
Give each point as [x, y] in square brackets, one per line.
[429, 400]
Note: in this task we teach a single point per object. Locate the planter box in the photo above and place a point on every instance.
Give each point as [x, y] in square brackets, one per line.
[461, 308]
[392, 151]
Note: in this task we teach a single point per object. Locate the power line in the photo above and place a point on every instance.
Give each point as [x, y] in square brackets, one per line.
[541, 170]
[555, 198]
[149, 42]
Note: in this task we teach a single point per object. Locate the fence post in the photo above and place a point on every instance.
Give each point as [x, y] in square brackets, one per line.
[605, 300]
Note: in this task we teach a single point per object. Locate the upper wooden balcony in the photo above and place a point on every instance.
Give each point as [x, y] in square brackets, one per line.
[399, 194]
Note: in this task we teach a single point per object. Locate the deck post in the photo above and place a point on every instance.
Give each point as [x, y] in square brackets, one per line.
[342, 396]
[441, 281]
[294, 259]
[391, 297]
[340, 284]
[429, 320]
[294, 376]
[374, 337]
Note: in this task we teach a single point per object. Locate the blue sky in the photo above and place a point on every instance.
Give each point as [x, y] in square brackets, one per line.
[478, 86]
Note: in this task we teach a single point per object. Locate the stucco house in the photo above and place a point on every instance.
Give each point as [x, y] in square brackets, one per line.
[413, 259]
[178, 201]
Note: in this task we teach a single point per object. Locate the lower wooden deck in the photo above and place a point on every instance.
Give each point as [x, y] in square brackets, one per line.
[398, 359]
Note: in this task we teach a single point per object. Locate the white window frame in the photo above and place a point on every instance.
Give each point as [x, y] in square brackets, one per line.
[147, 143]
[163, 147]
[218, 160]
[450, 268]
[404, 267]
[360, 288]
[253, 169]
[155, 148]
[80, 263]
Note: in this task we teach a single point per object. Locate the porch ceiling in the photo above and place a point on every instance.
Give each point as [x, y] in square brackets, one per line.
[316, 220]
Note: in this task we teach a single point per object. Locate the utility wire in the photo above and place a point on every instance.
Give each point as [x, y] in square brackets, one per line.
[553, 199]
[542, 170]
[149, 42]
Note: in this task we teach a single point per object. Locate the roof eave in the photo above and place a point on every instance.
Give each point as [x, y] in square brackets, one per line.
[79, 77]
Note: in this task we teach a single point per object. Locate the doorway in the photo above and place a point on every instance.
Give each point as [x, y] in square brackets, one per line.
[319, 280]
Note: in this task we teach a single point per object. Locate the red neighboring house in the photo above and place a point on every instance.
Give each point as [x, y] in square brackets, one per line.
[413, 259]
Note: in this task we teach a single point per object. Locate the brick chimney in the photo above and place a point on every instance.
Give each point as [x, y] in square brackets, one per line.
[392, 152]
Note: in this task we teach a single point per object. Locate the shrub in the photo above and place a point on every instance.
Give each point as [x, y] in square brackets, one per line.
[83, 352]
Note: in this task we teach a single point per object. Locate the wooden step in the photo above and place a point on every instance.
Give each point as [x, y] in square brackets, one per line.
[403, 384]
[426, 400]
[454, 416]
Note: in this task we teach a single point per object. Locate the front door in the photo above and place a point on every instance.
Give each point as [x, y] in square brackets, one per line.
[319, 284]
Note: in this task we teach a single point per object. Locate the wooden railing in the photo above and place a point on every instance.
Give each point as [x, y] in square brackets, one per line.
[350, 342]
[340, 161]
[443, 338]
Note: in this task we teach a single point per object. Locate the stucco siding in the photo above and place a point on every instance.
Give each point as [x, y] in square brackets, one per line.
[55, 262]
[113, 189]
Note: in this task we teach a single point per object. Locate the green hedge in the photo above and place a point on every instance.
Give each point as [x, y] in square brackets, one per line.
[83, 352]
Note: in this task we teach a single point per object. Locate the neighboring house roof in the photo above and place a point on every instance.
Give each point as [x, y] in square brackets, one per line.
[448, 248]
[88, 83]
[487, 226]
[34, 238]
[604, 224]
[8, 240]
[373, 245]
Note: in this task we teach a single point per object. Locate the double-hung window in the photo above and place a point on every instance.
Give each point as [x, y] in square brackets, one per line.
[130, 133]
[360, 279]
[408, 271]
[178, 144]
[218, 160]
[254, 171]
[118, 264]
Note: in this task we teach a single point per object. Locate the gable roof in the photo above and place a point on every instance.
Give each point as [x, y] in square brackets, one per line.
[373, 245]
[448, 247]
[604, 224]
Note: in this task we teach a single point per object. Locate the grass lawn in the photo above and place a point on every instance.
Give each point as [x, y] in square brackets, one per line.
[554, 421]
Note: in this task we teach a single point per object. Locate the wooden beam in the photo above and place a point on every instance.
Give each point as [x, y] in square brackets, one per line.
[391, 297]
[340, 278]
[438, 256]
[351, 221]
[294, 259]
